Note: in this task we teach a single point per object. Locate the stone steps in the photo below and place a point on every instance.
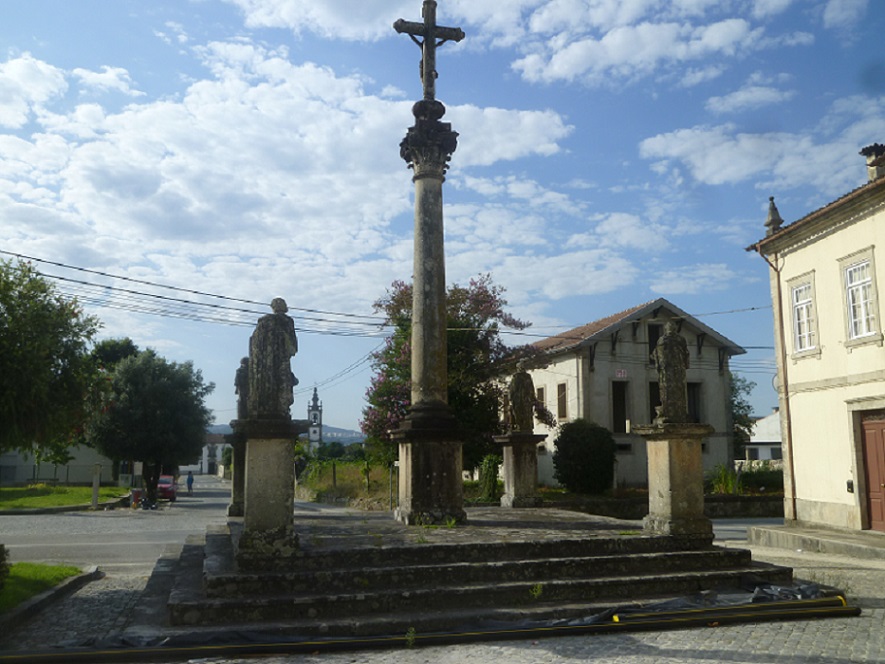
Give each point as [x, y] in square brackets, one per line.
[438, 587]
[452, 574]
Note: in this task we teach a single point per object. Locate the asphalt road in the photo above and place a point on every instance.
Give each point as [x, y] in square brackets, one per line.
[115, 539]
[135, 539]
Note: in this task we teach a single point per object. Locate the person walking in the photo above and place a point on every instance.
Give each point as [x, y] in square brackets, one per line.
[190, 483]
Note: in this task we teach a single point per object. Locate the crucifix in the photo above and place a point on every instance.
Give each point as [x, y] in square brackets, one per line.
[430, 31]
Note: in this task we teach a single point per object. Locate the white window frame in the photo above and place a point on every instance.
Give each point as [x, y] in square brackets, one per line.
[806, 340]
[860, 299]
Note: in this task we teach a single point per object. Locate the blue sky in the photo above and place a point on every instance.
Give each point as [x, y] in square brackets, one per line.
[610, 152]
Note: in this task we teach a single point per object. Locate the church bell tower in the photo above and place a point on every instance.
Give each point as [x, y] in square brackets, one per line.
[315, 421]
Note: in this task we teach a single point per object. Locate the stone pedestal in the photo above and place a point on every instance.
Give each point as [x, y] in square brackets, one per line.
[520, 469]
[431, 489]
[676, 479]
[237, 493]
[268, 538]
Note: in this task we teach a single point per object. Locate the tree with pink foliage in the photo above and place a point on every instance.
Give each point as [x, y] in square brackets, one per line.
[478, 363]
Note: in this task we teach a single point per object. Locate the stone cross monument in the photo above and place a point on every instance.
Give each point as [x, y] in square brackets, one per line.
[430, 456]
[675, 462]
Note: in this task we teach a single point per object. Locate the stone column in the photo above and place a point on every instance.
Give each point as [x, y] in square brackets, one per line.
[237, 441]
[520, 469]
[676, 479]
[430, 461]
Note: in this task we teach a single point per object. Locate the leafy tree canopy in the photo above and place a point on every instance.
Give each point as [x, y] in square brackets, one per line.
[108, 352]
[45, 370]
[152, 411]
[739, 389]
[476, 357]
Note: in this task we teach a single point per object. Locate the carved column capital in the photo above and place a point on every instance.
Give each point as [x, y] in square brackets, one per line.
[429, 144]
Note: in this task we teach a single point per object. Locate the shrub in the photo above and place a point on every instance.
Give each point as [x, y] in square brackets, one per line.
[4, 565]
[488, 477]
[584, 461]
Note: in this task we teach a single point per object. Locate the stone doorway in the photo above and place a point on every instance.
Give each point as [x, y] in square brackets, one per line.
[873, 428]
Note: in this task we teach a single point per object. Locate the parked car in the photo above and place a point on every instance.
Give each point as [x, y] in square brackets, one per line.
[166, 487]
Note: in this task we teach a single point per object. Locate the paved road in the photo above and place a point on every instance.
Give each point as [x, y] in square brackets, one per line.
[115, 539]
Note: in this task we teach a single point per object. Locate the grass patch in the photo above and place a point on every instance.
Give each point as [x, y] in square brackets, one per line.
[45, 495]
[26, 580]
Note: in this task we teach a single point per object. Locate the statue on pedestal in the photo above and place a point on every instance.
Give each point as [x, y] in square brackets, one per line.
[241, 389]
[522, 401]
[270, 377]
[672, 359]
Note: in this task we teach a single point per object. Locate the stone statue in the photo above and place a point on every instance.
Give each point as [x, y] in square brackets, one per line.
[271, 380]
[241, 389]
[672, 358]
[522, 401]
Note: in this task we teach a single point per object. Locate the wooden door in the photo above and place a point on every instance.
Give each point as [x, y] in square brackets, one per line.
[874, 467]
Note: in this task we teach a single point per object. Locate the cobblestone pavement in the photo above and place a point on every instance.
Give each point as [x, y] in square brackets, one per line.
[104, 607]
[107, 607]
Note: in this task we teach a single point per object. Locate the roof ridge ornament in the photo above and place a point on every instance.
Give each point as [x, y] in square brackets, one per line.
[774, 221]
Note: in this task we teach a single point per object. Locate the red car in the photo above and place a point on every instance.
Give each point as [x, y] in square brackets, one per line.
[166, 487]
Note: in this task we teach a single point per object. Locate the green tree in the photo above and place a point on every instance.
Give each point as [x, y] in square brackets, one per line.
[152, 411]
[476, 357]
[45, 369]
[739, 389]
[584, 461]
[108, 352]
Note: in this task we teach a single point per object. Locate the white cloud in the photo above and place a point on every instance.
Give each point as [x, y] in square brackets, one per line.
[767, 8]
[843, 13]
[26, 85]
[567, 274]
[823, 158]
[108, 79]
[693, 279]
[752, 95]
[638, 50]
[337, 19]
[284, 161]
[492, 134]
[693, 77]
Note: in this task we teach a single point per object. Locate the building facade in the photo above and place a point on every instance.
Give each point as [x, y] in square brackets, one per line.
[825, 286]
[603, 372]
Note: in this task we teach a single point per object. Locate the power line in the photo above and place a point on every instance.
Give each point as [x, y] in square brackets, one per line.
[182, 290]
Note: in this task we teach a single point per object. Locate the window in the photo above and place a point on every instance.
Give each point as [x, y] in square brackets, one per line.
[541, 396]
[619, 406]
[859, 296]
[654, 400]
[694, 402]
[803, 319]
[561, 402]
[655, 331]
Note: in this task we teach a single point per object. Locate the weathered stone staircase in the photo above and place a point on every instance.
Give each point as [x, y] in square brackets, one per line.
[380, 588]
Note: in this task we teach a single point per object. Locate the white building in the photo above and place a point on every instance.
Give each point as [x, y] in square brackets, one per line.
[825, 285]
[603, 372]
[765, 441]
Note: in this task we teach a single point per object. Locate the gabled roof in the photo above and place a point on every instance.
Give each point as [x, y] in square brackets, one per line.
[590, 333]
[819, 215]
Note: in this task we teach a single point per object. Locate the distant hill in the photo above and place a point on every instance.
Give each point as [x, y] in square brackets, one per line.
[330, 434]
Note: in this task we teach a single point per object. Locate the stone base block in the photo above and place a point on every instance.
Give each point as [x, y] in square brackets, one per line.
[664, 525]
[431, 490]
[235, 509]
[521, 501]
[267, 549]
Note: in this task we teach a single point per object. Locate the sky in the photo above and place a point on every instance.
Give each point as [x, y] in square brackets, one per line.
[176, 164]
